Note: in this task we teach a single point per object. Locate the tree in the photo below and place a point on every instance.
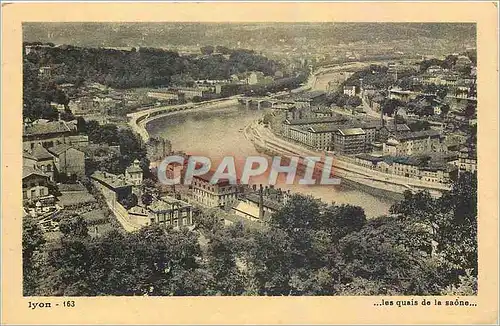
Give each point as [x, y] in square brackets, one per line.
[457, 231]
[222, 49]
[341, 220]
[384, 256]
[271, 262]
[427, 110]
[197, 99]
[300, 213]
[431, 89]
[389, 106]
[222, 251]
[146, 199]
[74, 226]
[342, 100]
[354, 101]
[419, 125]
[130, 201]
[67, 115]
[33, 242]
[470, 110]
[451, 222]
[445, 109]
[441, 91]
[405, 83]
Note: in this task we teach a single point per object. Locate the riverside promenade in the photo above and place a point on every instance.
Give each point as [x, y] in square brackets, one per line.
[139, 119]
[344, 166]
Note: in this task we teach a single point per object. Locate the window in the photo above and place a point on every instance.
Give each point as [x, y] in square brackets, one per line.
[176, 223]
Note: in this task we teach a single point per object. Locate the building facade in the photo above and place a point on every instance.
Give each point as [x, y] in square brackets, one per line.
[68, 160]
[168, 211]
[412, 143]
[220, 194]
[34, 184]
[134, 174]
[113, 187]
[348, 141]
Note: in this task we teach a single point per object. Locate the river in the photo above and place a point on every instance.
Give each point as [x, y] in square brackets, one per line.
[217, 133]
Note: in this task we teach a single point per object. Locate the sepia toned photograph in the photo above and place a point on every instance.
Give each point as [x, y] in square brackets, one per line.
[224, 163]
[249, 159]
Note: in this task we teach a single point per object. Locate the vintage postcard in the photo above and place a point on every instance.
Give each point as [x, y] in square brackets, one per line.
[249, 163]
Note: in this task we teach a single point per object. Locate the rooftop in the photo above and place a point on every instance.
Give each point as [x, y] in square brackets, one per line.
[167, 203]
[399, 127]
[112, 180]
[322, 128]
[417, 135]
[28, 170]
[208, 176]
[53, 127]
[40, 153]
[267, 202]
[371, 158]
[336, 118]
[351, 131]
[59, 149]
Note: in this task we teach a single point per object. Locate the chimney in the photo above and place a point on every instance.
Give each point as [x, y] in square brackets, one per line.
[261, 203]
[382, 116]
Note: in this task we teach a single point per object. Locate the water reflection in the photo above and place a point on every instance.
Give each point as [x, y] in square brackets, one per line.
[217, 133]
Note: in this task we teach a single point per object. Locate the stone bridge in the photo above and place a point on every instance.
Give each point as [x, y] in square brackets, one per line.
[268, 102]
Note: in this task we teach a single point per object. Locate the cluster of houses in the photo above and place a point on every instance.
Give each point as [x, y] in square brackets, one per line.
[387, 147]
[52, 151]
[94, 98]
[208, 88]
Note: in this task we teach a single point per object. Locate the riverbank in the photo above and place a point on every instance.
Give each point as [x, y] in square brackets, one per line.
[139, 120]
[392, 186]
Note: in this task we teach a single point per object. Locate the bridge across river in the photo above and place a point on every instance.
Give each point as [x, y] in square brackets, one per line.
[273, 101]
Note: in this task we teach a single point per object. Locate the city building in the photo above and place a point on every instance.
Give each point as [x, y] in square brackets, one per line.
[312, 122]
[255, 77]
[39, 158]
[383, 132]
[113, 187]
[467, 160]
[47, 134]
[411, 143]
[348, 141]
[167, 211]
[322, 112]
[78, 141]
[402, 95]
[370, 129]
[416, 167]
[255, 207]
[134, 173]
[299, 134]
[68, 160]
[35, 184]
[220, 194]
[350, 90]
[321, 137]
[189, 93]
[164, 95]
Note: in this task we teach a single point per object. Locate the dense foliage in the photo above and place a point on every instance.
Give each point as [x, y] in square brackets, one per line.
[427, 246]
[109, 135]
[144, 67]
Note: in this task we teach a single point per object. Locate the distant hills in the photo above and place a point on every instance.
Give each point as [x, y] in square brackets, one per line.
[239, 35]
